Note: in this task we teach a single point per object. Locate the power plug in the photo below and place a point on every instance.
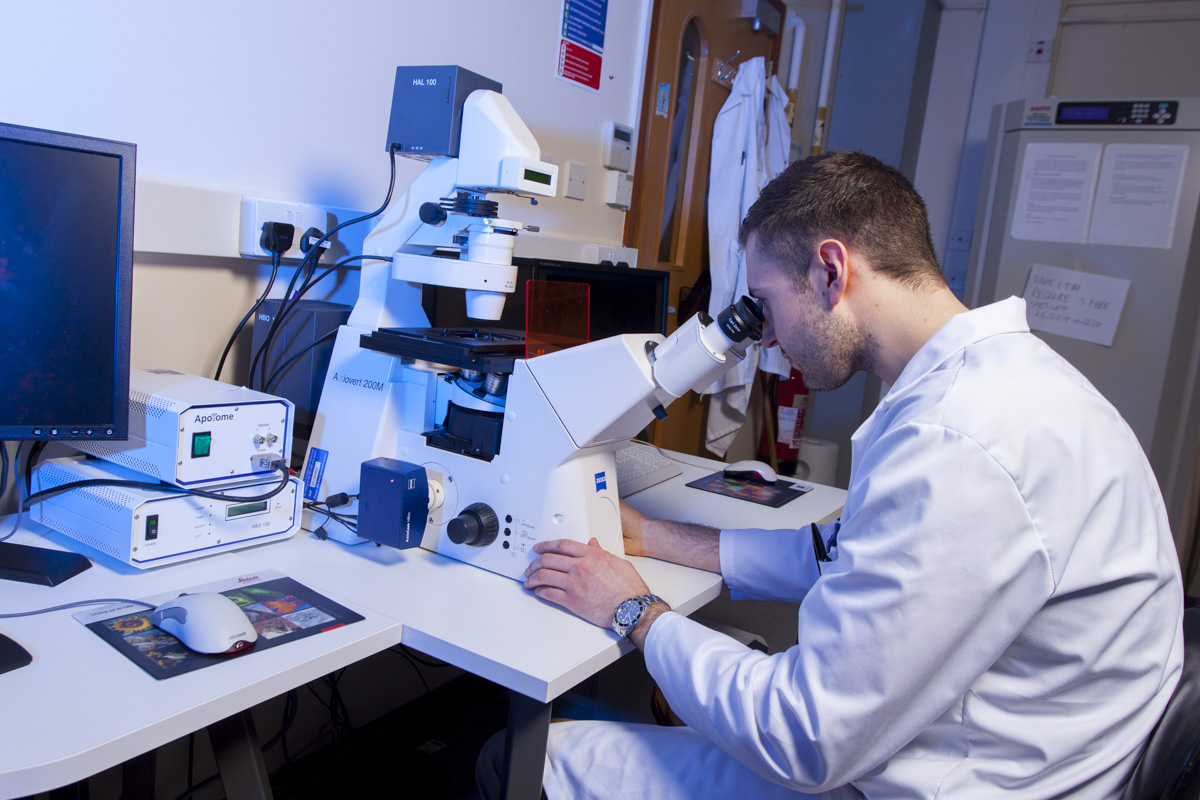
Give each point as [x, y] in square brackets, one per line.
[255, 213]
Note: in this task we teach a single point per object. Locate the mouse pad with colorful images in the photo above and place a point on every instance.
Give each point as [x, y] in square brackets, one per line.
[281, 609]
[767, 494]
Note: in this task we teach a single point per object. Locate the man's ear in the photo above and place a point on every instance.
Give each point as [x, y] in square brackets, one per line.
[833, 265]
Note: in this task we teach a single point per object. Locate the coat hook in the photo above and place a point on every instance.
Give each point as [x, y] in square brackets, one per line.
[725, 78]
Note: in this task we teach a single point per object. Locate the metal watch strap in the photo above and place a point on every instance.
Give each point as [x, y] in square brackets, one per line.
[643, 602]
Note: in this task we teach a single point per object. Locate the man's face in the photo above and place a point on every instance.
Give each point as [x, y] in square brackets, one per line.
[824, 345]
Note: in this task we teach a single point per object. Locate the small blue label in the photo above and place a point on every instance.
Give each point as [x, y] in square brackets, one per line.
[601, 484]
[314, 471]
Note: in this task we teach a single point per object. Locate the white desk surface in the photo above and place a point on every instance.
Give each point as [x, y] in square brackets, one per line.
[484, 623]
[674, 499]
[80, 707]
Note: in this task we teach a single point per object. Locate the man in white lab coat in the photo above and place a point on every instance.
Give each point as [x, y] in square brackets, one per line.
[998, 611]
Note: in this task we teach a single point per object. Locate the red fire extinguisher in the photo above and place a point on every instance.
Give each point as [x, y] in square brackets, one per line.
[788, 401]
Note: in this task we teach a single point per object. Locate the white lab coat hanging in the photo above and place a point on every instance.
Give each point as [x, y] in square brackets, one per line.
[748, 149]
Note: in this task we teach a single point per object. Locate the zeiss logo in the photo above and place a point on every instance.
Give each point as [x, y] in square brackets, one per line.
[601, 485]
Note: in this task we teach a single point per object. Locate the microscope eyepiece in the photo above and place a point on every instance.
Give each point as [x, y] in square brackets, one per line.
[742, 320]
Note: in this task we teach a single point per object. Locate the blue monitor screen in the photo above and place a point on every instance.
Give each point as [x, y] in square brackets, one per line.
[66, 230]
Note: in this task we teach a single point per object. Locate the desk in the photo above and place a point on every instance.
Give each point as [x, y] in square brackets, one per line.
[81, 708]
[483, 623]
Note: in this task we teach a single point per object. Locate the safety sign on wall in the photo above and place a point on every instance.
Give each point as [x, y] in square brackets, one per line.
[581, 48]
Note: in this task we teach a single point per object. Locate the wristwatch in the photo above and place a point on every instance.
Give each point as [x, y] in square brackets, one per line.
[629, 612]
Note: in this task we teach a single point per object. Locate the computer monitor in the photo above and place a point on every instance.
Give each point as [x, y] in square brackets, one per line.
[66, 276]
[66, 272]
[621, 299]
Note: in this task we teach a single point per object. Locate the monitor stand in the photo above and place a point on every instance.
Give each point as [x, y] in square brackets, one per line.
[21, 562]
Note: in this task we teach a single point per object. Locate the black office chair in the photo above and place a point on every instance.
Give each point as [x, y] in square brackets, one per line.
[1170, 767]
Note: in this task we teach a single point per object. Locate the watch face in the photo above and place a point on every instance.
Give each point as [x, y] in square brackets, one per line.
[628, 612]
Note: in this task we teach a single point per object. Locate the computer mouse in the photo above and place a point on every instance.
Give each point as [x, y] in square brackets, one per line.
[755, 471]
[206, 622]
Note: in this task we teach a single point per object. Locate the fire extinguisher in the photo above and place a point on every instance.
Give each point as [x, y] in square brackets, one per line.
[788, 402]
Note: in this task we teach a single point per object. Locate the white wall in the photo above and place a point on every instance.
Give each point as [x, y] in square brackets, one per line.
[291, 99]
[949, 104]
[288, 101]
[1002, 72]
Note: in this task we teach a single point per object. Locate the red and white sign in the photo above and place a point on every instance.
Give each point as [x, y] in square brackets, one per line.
[579, 65]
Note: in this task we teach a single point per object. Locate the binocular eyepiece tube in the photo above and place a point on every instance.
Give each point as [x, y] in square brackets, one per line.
[695, 354]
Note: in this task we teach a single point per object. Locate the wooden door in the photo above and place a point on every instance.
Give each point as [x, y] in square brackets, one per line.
[695, 49]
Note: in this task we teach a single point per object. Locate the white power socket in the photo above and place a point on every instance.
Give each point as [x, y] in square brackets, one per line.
[256, 212]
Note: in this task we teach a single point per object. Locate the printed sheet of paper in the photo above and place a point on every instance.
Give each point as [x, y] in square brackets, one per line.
[1075, 304]
[1137, 198]
[1055, 193]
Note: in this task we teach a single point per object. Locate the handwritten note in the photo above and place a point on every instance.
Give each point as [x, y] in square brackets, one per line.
[1075, 304]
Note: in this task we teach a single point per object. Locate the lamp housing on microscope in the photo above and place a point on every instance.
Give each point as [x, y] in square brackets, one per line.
[454, 116]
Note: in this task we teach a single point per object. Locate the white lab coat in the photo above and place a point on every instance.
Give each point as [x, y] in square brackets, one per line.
[748, 149]
[1002, 615]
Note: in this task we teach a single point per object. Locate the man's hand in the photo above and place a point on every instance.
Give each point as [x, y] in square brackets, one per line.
[585, 579]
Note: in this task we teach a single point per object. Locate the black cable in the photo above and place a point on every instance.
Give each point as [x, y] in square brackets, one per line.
[413, 663]
[279, 466]
[292, 703]
[289, 709]
[278, 373]
[304, 289]
[35, 452]
[16, 470]
[339, 702]
[417, 657]
[3, 466]
[289, 717]
[249, 314]
[265, 348]
[350, 521]
[199, 787]
[299, 296]
[191, 759]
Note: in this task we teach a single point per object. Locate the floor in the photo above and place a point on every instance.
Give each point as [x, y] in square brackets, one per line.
[425, 750]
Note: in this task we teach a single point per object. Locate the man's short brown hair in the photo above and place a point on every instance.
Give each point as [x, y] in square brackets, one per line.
[855, 199]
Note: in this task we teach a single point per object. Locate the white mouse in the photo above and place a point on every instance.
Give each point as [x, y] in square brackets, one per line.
[206, 622]
[755, 471]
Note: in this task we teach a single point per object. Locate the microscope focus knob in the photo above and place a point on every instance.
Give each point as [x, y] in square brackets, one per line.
[476, 526]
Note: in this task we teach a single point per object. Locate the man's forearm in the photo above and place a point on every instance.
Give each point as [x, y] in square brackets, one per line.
[683, 543]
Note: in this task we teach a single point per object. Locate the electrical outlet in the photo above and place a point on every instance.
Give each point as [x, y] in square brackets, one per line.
[576, 180]
[256, 212]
